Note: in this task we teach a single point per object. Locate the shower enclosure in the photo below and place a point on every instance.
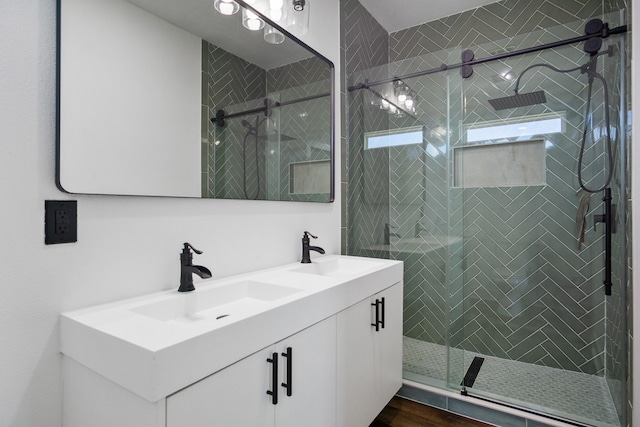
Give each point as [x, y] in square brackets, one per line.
[502, 300]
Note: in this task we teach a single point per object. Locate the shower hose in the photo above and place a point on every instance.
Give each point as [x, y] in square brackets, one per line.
[589, 69]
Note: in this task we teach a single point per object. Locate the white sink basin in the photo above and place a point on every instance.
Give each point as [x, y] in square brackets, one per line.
[215, 303]
[335, 267]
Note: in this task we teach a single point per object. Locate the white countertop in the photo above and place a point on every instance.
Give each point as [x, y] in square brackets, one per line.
[152, 351]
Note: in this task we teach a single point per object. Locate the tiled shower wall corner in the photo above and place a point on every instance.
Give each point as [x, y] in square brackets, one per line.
[234, 84]
[366, 184]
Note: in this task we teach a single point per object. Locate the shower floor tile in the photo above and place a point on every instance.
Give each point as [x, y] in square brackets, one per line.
[562, 393]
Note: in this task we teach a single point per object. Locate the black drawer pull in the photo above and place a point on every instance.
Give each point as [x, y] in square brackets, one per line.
[274, 378]
[289, 384]
[382, 322]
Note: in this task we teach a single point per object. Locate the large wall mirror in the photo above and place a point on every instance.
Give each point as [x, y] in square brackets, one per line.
[180, 99]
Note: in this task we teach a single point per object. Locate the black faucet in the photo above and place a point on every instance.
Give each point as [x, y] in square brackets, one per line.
[306, 258]
[187, 269]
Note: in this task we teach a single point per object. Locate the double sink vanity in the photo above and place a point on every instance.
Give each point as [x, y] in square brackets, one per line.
[316, 344]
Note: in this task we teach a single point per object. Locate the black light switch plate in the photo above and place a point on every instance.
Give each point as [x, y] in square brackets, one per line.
[60, 221]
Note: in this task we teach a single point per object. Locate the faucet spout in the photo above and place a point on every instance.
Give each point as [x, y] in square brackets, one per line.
[201, 271]
[187, 269]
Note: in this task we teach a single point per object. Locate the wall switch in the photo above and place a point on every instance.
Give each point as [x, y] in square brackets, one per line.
[60, 221]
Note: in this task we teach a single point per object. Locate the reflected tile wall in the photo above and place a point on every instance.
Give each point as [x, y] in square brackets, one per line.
[300, 132]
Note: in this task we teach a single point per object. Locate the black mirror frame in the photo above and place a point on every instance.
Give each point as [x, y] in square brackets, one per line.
[332, 137]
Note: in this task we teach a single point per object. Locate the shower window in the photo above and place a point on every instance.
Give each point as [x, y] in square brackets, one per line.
[522, 127]
[393, 138]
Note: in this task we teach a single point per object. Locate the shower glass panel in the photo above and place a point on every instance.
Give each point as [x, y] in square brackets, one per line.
[501, 300]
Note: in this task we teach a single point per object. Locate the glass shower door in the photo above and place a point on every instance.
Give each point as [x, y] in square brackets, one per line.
[526, 301]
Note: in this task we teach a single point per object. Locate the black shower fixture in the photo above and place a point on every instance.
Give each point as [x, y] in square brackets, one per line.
[518, 100]
[298, 5]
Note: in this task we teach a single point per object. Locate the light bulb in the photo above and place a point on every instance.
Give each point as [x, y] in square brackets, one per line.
[276, 4]
[226, 7]
[402, 98]
[409, 103]
[251, 21]
[384, 104]
[276, 14]
[254, 24]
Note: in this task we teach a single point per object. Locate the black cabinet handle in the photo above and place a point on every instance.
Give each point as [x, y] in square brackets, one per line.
[274, 378]
[289, 384]
[382, 322]
[377, 324]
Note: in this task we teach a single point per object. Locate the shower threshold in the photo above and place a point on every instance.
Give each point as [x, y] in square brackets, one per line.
[564, 394]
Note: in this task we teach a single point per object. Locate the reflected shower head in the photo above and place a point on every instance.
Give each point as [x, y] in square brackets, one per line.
[518, 100]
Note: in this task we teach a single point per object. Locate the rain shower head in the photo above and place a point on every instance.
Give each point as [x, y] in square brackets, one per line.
[518, 100]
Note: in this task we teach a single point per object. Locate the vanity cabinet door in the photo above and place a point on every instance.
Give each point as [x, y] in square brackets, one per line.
[369, 360]
[388, 347]
[312, 378]
[234, 396]
[237, 395]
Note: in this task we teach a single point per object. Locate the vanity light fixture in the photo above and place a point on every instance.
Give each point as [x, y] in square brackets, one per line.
[226, 7]
[398, 99]
[290, 14]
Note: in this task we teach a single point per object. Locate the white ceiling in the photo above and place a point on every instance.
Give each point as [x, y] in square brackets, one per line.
[395, 15]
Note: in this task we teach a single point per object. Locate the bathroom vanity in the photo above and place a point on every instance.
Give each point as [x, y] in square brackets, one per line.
[316, 345]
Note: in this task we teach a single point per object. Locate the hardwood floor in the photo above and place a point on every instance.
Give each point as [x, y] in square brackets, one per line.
[405, 413]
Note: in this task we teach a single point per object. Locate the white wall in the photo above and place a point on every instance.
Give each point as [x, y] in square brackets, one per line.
[126, 246]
